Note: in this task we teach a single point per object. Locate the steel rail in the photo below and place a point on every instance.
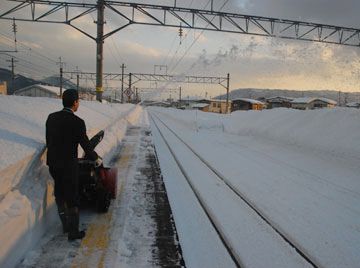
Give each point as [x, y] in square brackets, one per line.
[306, 256]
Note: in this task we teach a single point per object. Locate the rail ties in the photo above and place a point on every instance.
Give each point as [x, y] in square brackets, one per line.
[227, 244]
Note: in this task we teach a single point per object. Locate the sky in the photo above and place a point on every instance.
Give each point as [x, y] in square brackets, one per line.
[251, 61]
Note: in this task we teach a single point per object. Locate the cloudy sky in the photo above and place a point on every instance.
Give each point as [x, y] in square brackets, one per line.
[253, 62]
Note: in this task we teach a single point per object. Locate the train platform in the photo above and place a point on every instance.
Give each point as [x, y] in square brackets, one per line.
[137, 231]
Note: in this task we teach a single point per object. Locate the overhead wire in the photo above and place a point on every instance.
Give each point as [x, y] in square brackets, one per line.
[185, 36]
[197, 38]
[173, 42]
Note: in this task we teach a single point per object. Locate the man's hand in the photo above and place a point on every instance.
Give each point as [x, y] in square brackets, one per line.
[98, 162]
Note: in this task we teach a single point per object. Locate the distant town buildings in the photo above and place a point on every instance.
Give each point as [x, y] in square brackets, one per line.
[278, 102]
[201, 107]
[246, 104]
[312, 103]
[219, 106]
[3, 88]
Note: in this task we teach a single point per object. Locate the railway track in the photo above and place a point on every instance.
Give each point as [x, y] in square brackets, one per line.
[169, 136]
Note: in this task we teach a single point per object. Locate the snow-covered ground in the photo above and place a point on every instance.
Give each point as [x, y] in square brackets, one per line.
[299, 168]
[26, 189]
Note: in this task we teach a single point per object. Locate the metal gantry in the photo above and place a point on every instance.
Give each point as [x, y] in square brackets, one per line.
[173, 16]
[133, 78]
[170, 16]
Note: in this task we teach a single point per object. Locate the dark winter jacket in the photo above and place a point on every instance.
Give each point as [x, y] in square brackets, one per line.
[64, 132]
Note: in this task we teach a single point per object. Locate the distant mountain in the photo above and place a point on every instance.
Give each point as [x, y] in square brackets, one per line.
[19, 81]
[254, 93]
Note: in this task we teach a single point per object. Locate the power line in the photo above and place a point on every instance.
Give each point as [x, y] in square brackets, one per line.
[186, 35]
[172, 44]
[197, 38]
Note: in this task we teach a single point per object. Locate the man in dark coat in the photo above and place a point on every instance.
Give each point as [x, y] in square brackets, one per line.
[64, 132]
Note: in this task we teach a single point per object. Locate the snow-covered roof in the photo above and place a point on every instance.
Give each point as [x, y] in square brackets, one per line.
[311, 99]
[194, 98]
[303, 100]
[353, 104]
[213, 100]
[249, 100]
[327, 100]
[279, 98]
[200, 105]
[52, 89]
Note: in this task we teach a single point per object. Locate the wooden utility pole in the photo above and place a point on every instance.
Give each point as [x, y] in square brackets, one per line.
[99, 49]
[77, 78]
[12, 66]
[122, 82]
[61, 64]
[227, 92]
[130, 74]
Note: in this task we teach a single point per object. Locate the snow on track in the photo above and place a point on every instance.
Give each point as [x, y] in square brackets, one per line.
[310, 195]
[232, 217]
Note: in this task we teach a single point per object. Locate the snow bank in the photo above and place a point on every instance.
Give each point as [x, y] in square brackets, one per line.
[333, 131]
[26, 188]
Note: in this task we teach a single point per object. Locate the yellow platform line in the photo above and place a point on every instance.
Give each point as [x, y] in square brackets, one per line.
[94, 246]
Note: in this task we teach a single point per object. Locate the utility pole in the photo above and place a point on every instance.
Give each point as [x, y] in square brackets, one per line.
[227, 92]
[14, 30]
[12, 66]
[99, 49]
[77, 78]
[61, 64]
[130, 74]
[122, 82]
[179, 97]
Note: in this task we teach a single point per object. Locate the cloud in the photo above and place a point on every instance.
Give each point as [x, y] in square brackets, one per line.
[139, 49]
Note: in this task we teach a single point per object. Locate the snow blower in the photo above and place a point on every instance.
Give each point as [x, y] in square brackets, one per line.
[97, 185]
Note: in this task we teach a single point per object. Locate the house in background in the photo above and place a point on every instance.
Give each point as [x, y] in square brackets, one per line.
[324, 103]
[246, 104]
[39, 90]
[189, 102]
[201, 107]
[353, 105]
[312, 103]
[219, 106]
[3, 88]
[278, 102]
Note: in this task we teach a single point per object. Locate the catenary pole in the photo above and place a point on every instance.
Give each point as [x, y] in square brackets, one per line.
[227, 92]
[122, 82]
[99, 49]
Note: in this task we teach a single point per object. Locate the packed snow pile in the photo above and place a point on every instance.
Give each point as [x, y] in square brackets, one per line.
[332, 131]
[26, 194]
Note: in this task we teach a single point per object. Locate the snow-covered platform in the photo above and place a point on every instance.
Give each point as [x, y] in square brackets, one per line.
[138, 230]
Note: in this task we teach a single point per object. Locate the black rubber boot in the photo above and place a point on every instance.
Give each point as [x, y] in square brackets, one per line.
[74, 232]
[65, 221]
[62, 211]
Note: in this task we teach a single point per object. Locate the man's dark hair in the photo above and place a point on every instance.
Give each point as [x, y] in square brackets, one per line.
[69, 96]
